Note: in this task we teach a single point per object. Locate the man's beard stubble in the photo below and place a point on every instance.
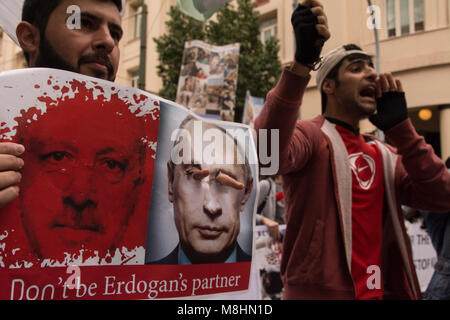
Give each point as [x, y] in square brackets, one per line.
[49, 58]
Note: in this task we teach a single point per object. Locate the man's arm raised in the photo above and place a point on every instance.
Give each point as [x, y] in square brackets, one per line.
[310, 25]
[281, 109]
[10, 177]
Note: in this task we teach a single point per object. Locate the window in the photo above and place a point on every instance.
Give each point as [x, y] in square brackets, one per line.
[134, 77]
[419, 15]
[268, 29]
[404, 17]
[391, 17]
[136, 21]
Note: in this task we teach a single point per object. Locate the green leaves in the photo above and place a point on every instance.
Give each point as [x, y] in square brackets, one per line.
[170, 47]
[259, 65]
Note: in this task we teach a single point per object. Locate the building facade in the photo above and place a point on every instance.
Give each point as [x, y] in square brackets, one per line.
[414, 44]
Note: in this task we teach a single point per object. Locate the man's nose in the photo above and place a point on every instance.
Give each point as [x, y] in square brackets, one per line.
[79, 206]
[81, 186]
[211, 206]
[103, 40]
[371, 73]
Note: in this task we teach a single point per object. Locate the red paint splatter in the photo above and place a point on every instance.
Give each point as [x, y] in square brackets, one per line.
[64, 90]
[139, 99]
[100, 89]
[84, 121]
[3, 130]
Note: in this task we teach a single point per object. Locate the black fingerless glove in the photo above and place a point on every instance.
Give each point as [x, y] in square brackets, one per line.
[391, 110]
[309, 43]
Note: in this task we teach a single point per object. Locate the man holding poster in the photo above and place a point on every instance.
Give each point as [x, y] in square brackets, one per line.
[345, 234]
[92, 50]
[82, 169]
[86, 178]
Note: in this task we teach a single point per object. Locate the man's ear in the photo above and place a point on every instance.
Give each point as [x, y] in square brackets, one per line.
[328, 86]
[248, 192]
[170, 173]
[29, 38]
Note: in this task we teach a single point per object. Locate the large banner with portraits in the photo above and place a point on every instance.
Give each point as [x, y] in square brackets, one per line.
[208, 79]
[124, 195]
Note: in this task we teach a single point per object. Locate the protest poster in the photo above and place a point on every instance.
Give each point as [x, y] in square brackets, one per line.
[208, 79]
[252, 108]
[96, 203]
[424, 254]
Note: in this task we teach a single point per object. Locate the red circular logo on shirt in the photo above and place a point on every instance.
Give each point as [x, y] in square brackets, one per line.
[363, 167]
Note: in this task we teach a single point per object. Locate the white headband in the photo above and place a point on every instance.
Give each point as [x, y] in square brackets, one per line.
[331, 59]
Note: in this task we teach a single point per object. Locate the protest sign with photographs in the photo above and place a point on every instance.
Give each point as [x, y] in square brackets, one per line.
[208, 79]
[252, 108]
[104, 194]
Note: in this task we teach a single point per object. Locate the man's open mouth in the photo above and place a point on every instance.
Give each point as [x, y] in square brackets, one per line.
[369, 93]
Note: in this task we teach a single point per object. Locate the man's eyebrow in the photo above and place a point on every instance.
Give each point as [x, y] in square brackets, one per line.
[360, 60]
[116, 28]
[109, 150]
[86, 14]
[105, 151]
[49, 144]
[97, 19]
[226, 172]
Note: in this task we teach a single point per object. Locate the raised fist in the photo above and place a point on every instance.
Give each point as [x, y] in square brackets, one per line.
[311, 31]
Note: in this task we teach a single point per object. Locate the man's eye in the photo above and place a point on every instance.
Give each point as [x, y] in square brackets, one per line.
[57, 156]
[114, 165]
[87, 23]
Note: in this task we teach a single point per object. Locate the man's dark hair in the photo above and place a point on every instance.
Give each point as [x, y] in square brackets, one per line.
[447, 163]
[334, 73]
[37, 12]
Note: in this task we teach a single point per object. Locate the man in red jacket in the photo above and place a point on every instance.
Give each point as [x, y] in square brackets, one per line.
[345, 236]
